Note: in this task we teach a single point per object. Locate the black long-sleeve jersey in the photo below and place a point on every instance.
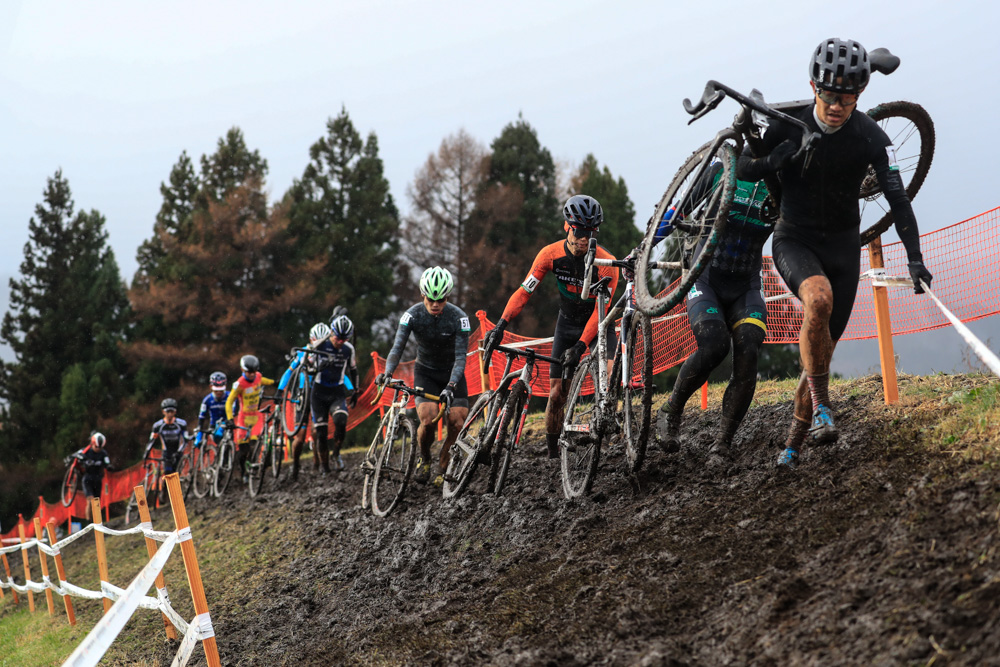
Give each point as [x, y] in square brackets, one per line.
[824, 199]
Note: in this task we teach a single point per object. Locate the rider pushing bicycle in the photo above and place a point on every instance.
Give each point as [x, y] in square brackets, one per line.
[171, 432]
[817, 238]
[247, 390]
[576, 326]
[442, 333]
[212, 413]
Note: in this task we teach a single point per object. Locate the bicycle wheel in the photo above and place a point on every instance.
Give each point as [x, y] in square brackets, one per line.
[696, 233]
[295, 402]
[225, 463]
[394, 467]
[185, 472]
[257, 466]
[475, 437]
[205, 470]
[276, 437]
[580, 441]
[637, 393]
[911, 131]
[507, 437]
[70, 484]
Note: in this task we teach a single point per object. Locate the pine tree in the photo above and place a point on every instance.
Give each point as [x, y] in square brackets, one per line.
[516, 215]
[341, 212]
[68, 314]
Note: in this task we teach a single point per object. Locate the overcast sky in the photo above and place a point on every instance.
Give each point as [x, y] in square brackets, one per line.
[112, 92]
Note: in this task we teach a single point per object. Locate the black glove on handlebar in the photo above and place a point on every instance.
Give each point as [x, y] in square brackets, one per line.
[571, 357]
[447, 396]
[781, 155]
[919, 272]
[352, 400]
[493, 338]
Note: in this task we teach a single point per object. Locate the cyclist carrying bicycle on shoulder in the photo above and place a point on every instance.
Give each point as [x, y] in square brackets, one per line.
[319, 332]
[95, 460]
[576, 326]
[334, 389]
[726, 303]
[247, 390]
[212, 414]
[817, 244]
[442, 333]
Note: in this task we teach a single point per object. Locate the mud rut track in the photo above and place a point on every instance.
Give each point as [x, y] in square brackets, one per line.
[872, 553]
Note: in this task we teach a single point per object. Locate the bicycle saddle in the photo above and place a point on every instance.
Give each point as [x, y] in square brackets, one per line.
[601, 287]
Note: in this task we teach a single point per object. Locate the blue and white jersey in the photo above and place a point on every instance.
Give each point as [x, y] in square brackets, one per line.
[213, 410]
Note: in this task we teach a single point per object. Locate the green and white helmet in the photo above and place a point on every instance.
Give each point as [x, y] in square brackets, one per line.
[436, 283]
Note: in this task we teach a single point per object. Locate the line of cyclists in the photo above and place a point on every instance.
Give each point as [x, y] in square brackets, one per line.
[816, 249]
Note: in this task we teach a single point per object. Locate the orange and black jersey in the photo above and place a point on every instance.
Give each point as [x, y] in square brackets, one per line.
[568, 270]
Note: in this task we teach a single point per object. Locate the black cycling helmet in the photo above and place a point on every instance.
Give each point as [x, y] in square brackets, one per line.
[168, 404]
[583, 211]
[249, 363]
[841, 66]
[217, 380]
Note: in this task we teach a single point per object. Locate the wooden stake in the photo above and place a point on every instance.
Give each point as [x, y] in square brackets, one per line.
[704, 396]
[6, 567]
[883, 325]
[102, 556]
[24, 559]
[191, 563]
[50, 527]
[45, 566]
[140, 498]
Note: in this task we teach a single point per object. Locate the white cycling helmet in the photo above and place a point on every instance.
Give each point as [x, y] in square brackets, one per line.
[320, 331]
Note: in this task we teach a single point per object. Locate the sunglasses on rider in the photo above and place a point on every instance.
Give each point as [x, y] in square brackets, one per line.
[830, 97]
[583, 233]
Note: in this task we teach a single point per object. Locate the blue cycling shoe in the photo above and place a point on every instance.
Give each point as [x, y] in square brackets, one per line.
[788, 459]
[823, 430]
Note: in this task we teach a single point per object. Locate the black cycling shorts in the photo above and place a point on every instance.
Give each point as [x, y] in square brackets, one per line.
[738, 302]
[434, 382]
[325, 400]
[836, 256]
[566, 335]
[91, 486]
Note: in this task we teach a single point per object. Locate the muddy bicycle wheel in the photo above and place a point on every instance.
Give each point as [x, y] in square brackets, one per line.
[257, 465]
[911, 132]
[394, 468]
[185, 472]
[70, 484]
[637, 393]
[580, 440]
[508, 432]
[667, 270]
[474, 438]
[204, 474]
[294, 407]
[276, 438]
[225, 464]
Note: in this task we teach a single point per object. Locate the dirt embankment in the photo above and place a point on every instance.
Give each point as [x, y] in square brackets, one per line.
[874, 552]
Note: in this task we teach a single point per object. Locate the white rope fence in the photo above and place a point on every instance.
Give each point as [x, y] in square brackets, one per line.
[127, 600]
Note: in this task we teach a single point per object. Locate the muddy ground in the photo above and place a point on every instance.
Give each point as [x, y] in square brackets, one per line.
[874, 552]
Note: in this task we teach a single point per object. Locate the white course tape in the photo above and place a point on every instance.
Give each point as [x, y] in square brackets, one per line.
[97, 642]
[184, 534]
[983, 352]
[184, 651]
[76, 591]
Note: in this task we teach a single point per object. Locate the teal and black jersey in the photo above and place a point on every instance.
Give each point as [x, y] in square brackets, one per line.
[742, 244]
[442, 340]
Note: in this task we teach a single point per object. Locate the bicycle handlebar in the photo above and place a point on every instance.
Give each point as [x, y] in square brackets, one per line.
[715, 91]
[415, 391]
[526, 352]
